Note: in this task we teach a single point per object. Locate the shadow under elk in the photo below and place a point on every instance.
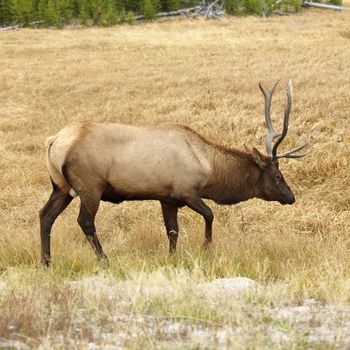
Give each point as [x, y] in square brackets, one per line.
[168, 162]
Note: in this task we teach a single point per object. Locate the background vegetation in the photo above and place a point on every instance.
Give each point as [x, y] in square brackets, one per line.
[203, 74]
[58, 13]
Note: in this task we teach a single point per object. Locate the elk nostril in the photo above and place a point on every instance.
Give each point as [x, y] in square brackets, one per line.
[291, 198]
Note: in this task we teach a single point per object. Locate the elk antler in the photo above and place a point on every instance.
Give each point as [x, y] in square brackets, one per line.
[272, 134]
[272, 150]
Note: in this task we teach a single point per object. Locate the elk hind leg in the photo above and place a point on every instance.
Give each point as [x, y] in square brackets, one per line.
[171, 225]
[57, 202]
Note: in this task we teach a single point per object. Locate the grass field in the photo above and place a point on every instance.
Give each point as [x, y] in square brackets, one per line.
[205, 75]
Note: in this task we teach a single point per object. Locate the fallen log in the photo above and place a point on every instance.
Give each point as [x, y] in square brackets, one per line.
[181, 12]
[10, 27]
[325, 6]
[17, 26]
[34, 23]
[211, 10]
[176, 13]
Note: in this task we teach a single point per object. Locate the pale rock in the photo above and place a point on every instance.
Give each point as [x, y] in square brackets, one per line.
[235, 286]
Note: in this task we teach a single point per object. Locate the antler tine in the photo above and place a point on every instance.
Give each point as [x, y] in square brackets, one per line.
[290, 154]
[271, 132]
[286, 119]
[296, 155]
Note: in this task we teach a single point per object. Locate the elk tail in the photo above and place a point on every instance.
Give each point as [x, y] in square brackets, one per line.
[57, 178]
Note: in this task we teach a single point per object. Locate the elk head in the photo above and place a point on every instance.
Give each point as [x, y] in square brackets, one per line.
[272, 186]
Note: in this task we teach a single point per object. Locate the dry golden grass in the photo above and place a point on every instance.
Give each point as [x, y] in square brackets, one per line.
[204, 75]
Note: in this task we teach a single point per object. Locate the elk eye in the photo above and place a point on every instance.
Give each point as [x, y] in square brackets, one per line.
[279, 177]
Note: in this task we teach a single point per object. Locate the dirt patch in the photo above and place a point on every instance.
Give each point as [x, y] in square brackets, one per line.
[312, 323]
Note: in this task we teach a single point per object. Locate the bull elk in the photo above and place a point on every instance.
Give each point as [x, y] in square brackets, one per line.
[170, 163]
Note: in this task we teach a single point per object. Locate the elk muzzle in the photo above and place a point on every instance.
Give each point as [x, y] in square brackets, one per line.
[289, 199]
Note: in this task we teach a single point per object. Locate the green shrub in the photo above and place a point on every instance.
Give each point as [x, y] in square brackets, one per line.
[156, 5]
[97, 8]
[110, 15]
[23, 11]
[6, 12]
[41, 13]
[335, 2]
[297, 5]
[122, 16]
[174, 5]
[233, 7]
[252, 7]
[84, 14]
[52, 14]
[131, 18]
[65, 8]
[148, 10]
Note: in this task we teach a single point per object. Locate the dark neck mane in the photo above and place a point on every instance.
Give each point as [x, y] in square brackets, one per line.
[235, 173]
[235, 176]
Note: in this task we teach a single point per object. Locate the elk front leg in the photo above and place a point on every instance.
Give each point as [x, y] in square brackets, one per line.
[86, 221]
[172, 228]
[197, 204]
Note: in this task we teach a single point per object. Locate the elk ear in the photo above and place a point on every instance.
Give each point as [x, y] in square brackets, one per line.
[259, 158]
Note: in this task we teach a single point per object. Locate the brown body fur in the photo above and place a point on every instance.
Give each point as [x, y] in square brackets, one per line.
[170, 163]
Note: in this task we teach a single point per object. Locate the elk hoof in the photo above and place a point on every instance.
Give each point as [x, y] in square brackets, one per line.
[45, 263]
[104, 263]
[206, 246]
